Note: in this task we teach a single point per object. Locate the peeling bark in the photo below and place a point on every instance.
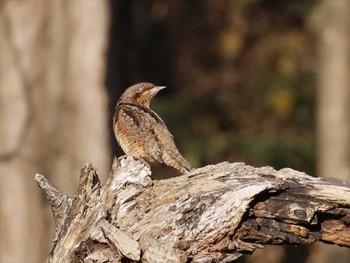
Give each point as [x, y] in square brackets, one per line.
[215, 213]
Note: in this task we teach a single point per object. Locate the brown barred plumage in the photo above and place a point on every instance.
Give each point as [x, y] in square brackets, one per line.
[141, 132]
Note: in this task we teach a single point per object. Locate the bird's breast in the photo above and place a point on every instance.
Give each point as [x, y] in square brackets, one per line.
[133, 133]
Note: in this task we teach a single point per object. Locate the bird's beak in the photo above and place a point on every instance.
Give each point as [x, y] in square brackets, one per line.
[156, 89]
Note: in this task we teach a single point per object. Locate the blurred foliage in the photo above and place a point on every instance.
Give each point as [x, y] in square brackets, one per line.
[240, 75]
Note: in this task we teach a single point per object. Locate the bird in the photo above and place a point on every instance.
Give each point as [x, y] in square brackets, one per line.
[141, 133]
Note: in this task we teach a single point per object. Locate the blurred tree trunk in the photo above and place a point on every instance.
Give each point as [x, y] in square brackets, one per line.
[53, 111]
[334, 91]
[333, 106]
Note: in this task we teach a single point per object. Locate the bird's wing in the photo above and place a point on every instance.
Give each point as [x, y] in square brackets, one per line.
[170, 154]
[144, 132]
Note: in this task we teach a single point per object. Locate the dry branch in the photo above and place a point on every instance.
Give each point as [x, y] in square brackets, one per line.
[215, 213]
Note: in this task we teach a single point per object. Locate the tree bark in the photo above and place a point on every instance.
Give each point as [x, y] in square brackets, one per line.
[215, 213]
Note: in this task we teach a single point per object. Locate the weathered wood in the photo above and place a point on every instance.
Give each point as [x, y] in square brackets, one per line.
[217, 212]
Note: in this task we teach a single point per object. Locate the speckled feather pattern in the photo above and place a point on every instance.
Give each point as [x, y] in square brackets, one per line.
[141, 132]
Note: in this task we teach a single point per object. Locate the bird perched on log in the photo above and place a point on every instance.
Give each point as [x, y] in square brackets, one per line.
[141, 133]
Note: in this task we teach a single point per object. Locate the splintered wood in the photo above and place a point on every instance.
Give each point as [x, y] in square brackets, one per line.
[215, 213]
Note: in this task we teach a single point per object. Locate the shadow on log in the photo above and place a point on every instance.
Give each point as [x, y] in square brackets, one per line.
[215, 213]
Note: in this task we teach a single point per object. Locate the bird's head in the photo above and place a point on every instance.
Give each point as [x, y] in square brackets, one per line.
[140, 94]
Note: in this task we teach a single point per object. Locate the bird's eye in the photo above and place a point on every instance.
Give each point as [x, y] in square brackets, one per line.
[139, 92]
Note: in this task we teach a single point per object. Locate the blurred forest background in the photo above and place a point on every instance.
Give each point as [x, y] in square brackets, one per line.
[266, 82]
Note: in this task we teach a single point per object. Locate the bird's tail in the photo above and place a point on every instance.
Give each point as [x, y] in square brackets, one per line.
[177, 161]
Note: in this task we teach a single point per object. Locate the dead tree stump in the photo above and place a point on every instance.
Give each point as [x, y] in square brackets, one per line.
[215, 213]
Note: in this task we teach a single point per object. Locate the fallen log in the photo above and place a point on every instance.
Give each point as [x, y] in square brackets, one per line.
[215, 213]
